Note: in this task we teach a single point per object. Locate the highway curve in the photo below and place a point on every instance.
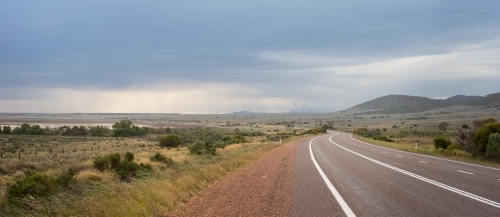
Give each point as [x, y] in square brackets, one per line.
[353, 178]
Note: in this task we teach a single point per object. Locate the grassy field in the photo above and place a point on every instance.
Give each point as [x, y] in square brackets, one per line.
[97, 193]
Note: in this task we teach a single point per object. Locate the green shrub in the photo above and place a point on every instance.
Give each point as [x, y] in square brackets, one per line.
[127, 169]
[493, 148]
[440, 142]
[34, 184]
[67, 177]
[162, 158]
[383, 138]
[171, 141]
[101, 163]
[482, 136]
[219, 144]
[129, 156]
[114, 160]
[199, 147]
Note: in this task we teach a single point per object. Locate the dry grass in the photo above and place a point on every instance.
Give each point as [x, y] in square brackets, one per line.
[103, 194]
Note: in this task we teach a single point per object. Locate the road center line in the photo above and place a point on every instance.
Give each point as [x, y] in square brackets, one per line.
[465, 172]
[439, 184]
[423, 162]
[340, 200]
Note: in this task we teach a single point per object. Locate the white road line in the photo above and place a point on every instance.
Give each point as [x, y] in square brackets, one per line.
[423, 162]
[465, 172]
[383, 152]
[398, 155]
[427, 155]
[340, 200]
[439, 184]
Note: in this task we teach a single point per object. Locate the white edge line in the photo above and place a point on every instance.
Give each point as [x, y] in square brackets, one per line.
[340, 200]
[426, 155]
[465, 172]
[439, 184]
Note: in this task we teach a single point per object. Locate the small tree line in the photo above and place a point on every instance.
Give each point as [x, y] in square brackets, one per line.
[482, 139]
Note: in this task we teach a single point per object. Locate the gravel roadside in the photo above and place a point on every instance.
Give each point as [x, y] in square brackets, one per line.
[263, 188]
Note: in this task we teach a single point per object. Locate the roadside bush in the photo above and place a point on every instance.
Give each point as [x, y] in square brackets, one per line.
[101, 163]
[172, 141]
[114, 160]
[34, 184]
[318, 130]
[125, 167]
[493, 148]
[481, 138]
[129, 156]
[440, 142]
[199, 147]
[383, 138]
[162, 158]
[67, 177]
[219, 144]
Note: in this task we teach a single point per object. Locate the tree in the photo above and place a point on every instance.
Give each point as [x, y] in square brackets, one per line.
[493, 147]
[440, 142]
[172, 141]
[465, 139]
[6, 130]
[481, 138]
[99, 131]
[443, 126]
[126, 128]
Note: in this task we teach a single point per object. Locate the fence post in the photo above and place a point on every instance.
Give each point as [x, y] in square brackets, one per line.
[36, 153]
[63, 150]
[19, 154]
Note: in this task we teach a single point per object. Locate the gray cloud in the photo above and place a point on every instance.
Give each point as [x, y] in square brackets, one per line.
[297, 51]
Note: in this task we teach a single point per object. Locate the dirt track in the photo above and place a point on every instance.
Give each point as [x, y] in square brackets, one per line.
[263, 188]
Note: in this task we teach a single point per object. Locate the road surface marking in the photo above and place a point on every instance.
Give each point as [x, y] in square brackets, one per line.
[423, 162]
[373, 149]
[427, 155]
[465, 172]
[439, 184]
[383, 152]
[398, 155]
[340, 200]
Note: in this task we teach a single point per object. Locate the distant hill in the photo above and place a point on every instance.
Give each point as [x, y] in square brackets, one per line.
[488, 100]
[461, 98]
[398, 104]
[247, 113]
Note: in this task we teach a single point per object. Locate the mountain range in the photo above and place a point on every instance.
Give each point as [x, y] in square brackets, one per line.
[399, 104]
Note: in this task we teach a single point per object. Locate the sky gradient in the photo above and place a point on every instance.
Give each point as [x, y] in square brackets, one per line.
[225, 56]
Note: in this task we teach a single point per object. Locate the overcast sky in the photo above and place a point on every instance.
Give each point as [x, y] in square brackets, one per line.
[225, 56]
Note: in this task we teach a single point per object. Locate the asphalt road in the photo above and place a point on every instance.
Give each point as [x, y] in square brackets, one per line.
[360, 179]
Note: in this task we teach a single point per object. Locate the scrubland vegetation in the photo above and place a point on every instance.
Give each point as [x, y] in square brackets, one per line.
[478, 141]
[123, 171]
